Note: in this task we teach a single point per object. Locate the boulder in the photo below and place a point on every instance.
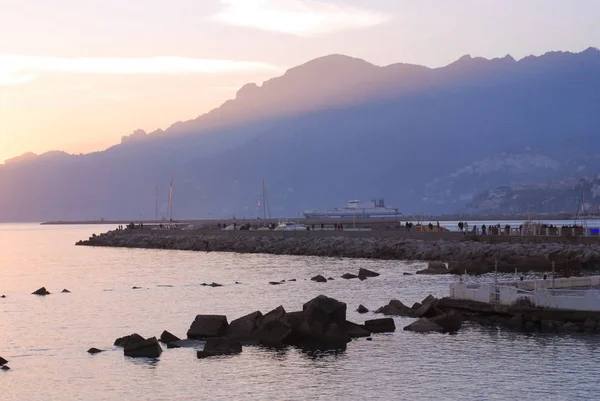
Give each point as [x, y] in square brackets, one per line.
[242, 329]
[219, 346]
[41, 291]
[450, 322]
[325, 310]
[395, 308]
[3, 361]
[319, 279]
[424, 325]
[273, 333]
[349, 276]
[434, 268]
[330, 279]
[5, 367]
[94, 351]
[362, 309]
[65, 291]
[426, 308]
[365, 273]
[336, 337]
[149, 348]
[167, 337]
[468, 267]
[207, 326]
[132, 338]
[385, 325]
[356, 330]
[3, 296]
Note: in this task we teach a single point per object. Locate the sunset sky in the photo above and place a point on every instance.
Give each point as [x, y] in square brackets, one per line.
[77, 75]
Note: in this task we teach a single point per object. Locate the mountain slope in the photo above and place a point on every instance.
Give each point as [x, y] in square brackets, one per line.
[333, 129]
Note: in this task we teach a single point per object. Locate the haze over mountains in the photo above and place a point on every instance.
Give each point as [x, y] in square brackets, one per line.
[333, 129]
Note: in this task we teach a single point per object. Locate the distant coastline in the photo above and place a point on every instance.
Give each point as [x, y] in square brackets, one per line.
[373, 221]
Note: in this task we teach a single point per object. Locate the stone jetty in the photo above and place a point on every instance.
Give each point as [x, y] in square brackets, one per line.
[460, 253]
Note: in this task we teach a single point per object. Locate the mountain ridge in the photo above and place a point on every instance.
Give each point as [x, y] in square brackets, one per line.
[397, 132]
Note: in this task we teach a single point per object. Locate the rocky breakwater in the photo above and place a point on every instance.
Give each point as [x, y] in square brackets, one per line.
[462, 256]
[320, 325]
[446, 315]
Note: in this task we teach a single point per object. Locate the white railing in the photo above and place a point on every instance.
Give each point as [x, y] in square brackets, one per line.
[585, 300]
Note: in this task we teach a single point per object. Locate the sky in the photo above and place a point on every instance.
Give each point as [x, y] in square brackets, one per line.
[77, 75]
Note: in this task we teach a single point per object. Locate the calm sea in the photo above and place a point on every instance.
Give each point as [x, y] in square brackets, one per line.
[45, 338]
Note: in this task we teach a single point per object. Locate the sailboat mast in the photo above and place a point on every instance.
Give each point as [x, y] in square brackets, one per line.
[156, 206]
[171, 199]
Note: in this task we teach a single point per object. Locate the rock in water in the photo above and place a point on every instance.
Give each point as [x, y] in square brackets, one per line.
[349, 276]
[132, 338]
[364, 273]
[325, 310]
[41, 291]
[424, 325]
[219, 346]
[167, 337]
[94, 351]
[319, 279]
[149, 348]
[451, 322]
[242, 329]
[362, 309]
[3, 296]
[4, 367]
[395, 308]
[65, 291]
[356, 330]
[274, 328]
[385, 325]
[275, 282]
[3, 361]
[208, 326]
[435, 268]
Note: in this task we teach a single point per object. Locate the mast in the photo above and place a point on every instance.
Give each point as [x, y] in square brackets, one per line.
[265, 202]
[156, 206]
[171, 199]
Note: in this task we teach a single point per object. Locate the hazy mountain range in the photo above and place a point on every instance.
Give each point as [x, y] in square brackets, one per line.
[338, 128]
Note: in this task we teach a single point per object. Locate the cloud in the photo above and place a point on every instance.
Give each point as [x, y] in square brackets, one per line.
[16, 69]
[297, 17]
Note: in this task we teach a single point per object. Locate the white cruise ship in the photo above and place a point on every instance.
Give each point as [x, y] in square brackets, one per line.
[355, 209]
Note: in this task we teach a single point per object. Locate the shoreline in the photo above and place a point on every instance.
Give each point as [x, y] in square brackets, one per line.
[347, 221]
[474, 255]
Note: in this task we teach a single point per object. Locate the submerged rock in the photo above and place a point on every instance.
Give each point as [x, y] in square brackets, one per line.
[94, 351]
[149, 348]
[349, 276]
[65, 291]
[219, 346]
[319, 279]
[3, 361]
[41, 291]
[364, 273]
[4, 367]
[362, 309]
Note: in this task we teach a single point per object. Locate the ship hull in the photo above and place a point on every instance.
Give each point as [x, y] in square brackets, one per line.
[351, 214]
